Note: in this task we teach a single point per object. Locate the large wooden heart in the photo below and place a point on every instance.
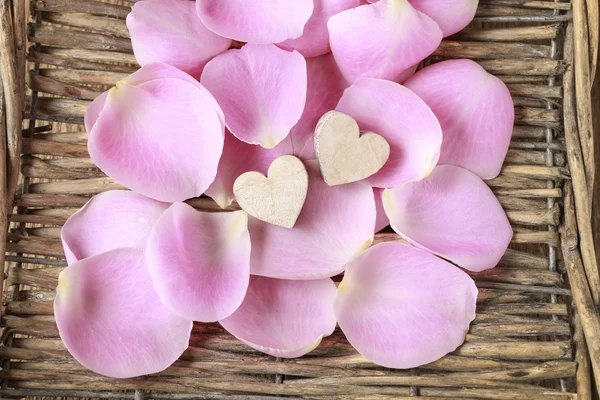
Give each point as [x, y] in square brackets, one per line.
[277, 198]
[344, 154]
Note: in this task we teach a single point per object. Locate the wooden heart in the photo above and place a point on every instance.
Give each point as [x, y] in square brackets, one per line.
[344, 154]
[277, 198]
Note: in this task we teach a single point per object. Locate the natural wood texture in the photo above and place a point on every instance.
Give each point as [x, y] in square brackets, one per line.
[277, 198]
[582, 194]
[581, 52]
[4, 198]
[510, 34]
[593, 15]
[81, 6]
[520, 345]
[582, 357]
[13, 96]
[20, 37]
[586, 305]
[82, 59]
[345, 154]
[110, 26]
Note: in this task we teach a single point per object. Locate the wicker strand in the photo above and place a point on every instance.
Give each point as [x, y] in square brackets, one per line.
[147, 396]
[530, 4]
[20, 36]
[81, 6]
[12, 96]
[104, 25]
[582, 86]
[582, 357]
[204, 362]
[593, 15]
[578, 175]
[4, 206]
[586, 306]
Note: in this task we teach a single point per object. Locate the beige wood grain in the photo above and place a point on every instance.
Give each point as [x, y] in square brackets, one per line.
[344, 154]
[277, 198]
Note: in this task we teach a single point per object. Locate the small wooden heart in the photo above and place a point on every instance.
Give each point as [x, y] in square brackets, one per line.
[277, 198]
[344, 154]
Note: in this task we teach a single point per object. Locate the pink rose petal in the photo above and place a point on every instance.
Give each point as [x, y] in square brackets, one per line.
[162, 138]
[451, 213]
[200, 262]
[382, 219]
[149, 72]
[381, 40]
[154, 71]
[315, 39]
[407, 74]
[284, 318]
[401, 307]
[475, 110]
[111, 319]
[110, 220]
[255, 21]
[451, 15]
[262, 90]
[336, 224]
[404, 120]
[325, 88]
[169, 31]
[93, 111]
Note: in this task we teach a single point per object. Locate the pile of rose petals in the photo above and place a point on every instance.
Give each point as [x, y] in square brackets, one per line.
[144, 264]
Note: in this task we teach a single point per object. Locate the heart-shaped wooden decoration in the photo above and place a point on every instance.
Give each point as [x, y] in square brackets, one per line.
[344, 154]
[277, 198]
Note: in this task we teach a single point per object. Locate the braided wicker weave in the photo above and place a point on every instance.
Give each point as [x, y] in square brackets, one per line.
[537, 332]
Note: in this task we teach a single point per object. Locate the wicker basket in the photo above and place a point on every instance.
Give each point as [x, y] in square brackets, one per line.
[535, 311]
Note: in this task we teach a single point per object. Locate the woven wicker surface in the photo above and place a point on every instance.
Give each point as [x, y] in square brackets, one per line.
[527, 341]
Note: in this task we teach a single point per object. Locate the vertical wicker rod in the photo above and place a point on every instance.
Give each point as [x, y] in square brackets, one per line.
[12, 105]
[20, 36]
[22, 226]
[3, 189]
[582, 358]
[582, 86]
[581, 195]
[586, 306]
[593, 11]
[550, 162]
